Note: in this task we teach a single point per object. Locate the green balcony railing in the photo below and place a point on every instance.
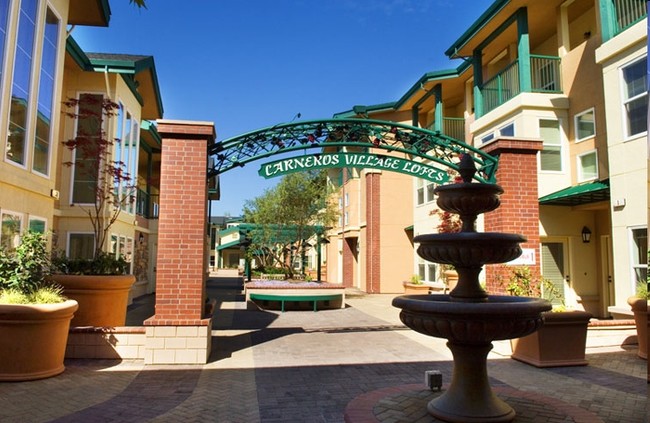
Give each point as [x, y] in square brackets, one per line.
[146, 205]
[501, 87]
[629, 12]
[545, 78]
[454, 127]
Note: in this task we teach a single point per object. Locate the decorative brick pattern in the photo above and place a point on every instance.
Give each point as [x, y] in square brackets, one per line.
[519, 211]
[373, 241]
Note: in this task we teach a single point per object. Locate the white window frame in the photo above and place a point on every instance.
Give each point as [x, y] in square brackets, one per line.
[21, 219]
[624, 100]
[576, 126]
[56, 83]
[579, 167]
[562, 146]
[73, 167]
[33, 218]
[487, 138]
[347, 199]
[502, 127]
[68, 236]
[426, 270]
[633, 248]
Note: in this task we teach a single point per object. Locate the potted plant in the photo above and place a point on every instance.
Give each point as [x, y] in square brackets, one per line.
[640, 304]
[415, 286]
[34, 315]
[562, 340]
[100, 284]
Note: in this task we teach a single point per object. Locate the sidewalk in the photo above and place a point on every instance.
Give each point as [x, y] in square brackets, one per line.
[359, 363]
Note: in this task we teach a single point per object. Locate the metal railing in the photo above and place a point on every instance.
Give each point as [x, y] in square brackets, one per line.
[454, 127]
[146, 205]
[505, 85]
[501, 87]
[629, 12]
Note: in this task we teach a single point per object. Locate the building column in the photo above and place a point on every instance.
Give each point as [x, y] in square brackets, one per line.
[180, 330]
[373, 232]
[519, 211]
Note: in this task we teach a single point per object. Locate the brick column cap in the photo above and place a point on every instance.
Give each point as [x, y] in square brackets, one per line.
[513, 145]
[168, 128]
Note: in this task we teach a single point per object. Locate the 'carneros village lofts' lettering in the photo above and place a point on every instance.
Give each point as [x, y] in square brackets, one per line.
[360, 160]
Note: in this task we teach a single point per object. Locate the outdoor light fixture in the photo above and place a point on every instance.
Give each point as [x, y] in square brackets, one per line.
[141, 238]
[586, 235]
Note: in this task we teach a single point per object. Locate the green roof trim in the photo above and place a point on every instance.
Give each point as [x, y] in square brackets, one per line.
[364, 110]
[409, 228]
[576, 195]
[482, 20]
[229, 245]
[77, 54]
[432, 76]
[150, 127]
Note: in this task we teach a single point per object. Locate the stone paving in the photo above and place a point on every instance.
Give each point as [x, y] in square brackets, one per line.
[357, 364]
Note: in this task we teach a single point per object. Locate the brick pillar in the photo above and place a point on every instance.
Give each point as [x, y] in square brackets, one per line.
[519, 211]
[373, 257]
[348, 262]
[180, 332]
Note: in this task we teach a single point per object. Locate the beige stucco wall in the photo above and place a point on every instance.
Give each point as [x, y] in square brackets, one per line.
[627, 157]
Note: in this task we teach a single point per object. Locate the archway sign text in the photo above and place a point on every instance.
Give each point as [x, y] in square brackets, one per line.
[349, 159]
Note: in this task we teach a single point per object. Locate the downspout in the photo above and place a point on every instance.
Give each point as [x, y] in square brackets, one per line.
[107, 82]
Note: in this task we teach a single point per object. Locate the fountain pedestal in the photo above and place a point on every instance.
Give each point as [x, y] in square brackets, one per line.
[468, 317]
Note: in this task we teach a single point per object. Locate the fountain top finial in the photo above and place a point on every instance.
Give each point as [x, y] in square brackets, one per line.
[466, 168]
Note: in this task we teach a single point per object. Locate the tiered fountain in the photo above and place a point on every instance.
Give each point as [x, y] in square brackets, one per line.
[468, 317]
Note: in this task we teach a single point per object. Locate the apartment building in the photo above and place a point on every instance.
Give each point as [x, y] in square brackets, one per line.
[41, 66]
[573, 75]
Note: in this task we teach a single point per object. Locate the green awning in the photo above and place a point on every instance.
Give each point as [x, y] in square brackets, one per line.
[231, 244]
[578, 194]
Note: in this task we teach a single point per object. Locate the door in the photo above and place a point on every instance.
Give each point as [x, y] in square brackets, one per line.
[607, 272]
[554, 269]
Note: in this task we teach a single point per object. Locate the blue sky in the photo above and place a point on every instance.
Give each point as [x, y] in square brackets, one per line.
[246, 65]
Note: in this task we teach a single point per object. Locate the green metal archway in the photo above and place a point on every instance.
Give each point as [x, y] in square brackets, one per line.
[349, 136]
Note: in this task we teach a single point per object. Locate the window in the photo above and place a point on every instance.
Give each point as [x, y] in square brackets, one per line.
[347, 199]
[37, 224]
[507, 130]
[11, 226]
[551, 155]
[426, 270]
[588, 166]
[346, 218]
[81, 245]
[635, 98]
[21, 86]
[43, 134]
[585, 125]
[86, 160]
[639, 255]
[126, 151]
[424, 191]
[4, 22]
[488, 137]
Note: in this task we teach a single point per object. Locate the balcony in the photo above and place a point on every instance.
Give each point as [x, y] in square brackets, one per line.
[628, 12]
[146, 205]
[545, 78]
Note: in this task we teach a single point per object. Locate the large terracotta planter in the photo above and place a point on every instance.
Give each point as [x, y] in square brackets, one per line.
[102, 298]
[33, 340]
[640, 310]
[451, 279]
[561, 341]
[415, 288]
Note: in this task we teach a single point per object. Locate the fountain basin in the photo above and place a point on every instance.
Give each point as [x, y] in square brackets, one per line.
[460, 197]
[472, 323]
[469, 249]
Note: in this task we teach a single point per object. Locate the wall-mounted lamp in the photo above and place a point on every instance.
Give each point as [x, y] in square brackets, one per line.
[586, 235]
[141, 238]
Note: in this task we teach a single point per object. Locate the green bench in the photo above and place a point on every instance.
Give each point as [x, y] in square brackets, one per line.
[315, 298]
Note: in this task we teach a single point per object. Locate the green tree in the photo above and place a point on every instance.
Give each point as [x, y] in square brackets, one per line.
[287, 216]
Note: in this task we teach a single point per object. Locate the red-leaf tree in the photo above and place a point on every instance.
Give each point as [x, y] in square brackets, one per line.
[113, 187]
